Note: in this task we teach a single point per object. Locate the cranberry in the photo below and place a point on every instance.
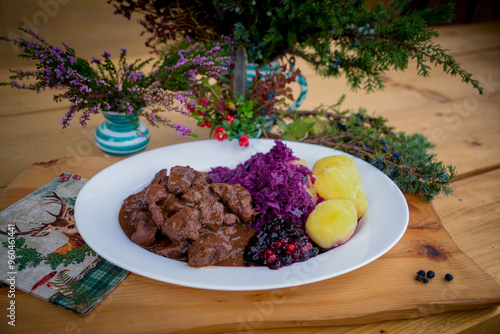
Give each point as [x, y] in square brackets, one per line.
[279, 244]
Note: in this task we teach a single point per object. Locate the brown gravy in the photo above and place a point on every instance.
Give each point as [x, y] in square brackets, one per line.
[159, 218]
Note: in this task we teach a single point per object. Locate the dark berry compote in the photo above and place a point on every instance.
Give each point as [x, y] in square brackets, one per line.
[279, 244]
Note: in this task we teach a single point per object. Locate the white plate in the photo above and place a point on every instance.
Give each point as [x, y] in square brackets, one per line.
[99, 201]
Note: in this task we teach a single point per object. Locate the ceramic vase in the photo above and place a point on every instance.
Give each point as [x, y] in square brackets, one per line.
[121, 134]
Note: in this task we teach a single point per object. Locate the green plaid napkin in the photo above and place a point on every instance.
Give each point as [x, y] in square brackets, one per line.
[43, 254]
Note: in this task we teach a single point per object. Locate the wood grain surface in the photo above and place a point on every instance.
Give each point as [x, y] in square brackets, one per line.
[465, 227]
[385, 289]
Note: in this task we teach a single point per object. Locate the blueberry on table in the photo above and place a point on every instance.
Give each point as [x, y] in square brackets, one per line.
[448, 277]
[430, 274]
[426, 280]
[420, 277]
[421, 272]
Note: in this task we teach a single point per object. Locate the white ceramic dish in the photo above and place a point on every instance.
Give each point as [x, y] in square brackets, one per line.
[99, 201]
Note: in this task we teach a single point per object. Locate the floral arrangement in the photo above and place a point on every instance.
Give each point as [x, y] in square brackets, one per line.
[100, 85]
[241, 115]
[336, 37]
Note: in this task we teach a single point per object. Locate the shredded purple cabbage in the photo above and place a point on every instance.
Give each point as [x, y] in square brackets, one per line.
[276, 186]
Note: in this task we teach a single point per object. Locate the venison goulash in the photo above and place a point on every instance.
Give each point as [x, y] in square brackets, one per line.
[184, 217]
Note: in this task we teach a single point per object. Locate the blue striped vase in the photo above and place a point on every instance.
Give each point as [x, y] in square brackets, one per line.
[118, 136]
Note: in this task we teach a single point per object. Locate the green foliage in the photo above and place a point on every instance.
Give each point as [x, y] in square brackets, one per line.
[336, 37]
[406, 159]
[230, 115]
[25, 256]
[246, 121]
[70, 200]
[30, 257]
[75, 255]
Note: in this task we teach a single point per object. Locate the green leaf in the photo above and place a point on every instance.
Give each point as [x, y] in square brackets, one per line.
[300, 127]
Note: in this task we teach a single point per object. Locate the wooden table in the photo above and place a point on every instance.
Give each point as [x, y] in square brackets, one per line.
[464, 126]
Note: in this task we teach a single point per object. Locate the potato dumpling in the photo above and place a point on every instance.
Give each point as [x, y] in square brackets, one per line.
[341, 182]
[327, 162]
[332, 223]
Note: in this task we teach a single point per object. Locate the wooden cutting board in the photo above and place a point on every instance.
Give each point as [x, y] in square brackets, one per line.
[382, 290]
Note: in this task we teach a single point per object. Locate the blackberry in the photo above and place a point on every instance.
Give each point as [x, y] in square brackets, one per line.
[279, 244]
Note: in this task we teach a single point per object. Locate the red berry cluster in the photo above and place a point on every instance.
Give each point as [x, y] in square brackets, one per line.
[219, 133]
[243, 141]
[206, 123]
[66, 177]
[279, 244]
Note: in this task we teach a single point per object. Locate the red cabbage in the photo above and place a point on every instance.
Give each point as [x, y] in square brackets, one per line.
[276, 186]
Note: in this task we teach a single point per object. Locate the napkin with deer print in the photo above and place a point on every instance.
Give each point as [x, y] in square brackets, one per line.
[44, 255]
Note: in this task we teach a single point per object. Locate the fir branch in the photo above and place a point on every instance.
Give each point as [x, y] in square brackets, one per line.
[406, 159]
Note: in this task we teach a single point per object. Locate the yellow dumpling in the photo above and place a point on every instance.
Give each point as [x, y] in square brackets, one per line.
[340, 181]
[332, 223]
[327, 162]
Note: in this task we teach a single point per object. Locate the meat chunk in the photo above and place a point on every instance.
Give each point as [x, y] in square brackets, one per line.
[180, 179]
[183, 225]
[198, 193]
[161, 178]
[212, 215]
[135, 202]
[155, 193]
[210, 249]
[172, 204]
[157, 214]
[230, 219]
[199, 178]
[138, 216]
[145, 234]
[237, 199]
[172, 250]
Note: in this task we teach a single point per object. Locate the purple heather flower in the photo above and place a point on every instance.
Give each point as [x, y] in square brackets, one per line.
[57, 49]
[95, 60]
[135, 76]
[106, 54]
[15, 84]
[85, 89]
[182, 130]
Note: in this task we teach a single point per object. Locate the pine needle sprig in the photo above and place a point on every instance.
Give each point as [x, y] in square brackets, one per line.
[406, 159]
